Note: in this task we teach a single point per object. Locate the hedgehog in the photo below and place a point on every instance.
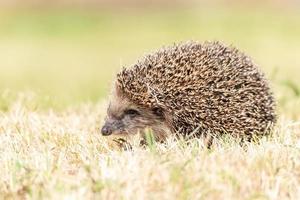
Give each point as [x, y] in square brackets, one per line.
[191, 89]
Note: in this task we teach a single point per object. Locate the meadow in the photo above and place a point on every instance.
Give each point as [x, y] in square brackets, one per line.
[56, 70]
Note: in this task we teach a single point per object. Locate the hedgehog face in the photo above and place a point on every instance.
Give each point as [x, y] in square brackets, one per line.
[126, 118]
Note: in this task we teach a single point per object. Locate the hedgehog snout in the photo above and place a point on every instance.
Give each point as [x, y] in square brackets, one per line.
[106, 130]
[111, 126]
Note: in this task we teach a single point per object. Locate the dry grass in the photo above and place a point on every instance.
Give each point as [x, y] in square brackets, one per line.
[61, 155]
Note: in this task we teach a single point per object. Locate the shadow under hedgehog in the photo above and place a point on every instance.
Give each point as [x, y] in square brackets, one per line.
[199, 89]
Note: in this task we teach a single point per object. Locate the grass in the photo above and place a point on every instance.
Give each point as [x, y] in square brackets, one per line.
[55, 155]
[56, 67]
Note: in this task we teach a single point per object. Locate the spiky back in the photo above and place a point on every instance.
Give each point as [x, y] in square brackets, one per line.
[205, 87]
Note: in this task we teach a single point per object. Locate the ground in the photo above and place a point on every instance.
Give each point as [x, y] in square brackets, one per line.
[56, 70]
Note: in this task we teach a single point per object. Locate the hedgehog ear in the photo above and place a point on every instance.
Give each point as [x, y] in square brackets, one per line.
[158, 111]
[118, 90]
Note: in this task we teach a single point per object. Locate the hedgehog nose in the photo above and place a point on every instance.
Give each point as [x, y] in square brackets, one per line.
[106, 131]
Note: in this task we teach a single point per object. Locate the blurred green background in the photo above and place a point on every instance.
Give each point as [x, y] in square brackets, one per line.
[69, 54]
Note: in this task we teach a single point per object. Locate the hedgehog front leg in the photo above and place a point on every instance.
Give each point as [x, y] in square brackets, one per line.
[123, 144]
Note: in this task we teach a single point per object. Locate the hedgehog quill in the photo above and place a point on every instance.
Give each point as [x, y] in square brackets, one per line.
[199, 89]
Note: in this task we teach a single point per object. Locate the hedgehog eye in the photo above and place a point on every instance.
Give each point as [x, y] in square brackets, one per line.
[131, 112]
[158, 111]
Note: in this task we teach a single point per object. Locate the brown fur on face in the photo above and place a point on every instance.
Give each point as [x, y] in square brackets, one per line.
[126, 118]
